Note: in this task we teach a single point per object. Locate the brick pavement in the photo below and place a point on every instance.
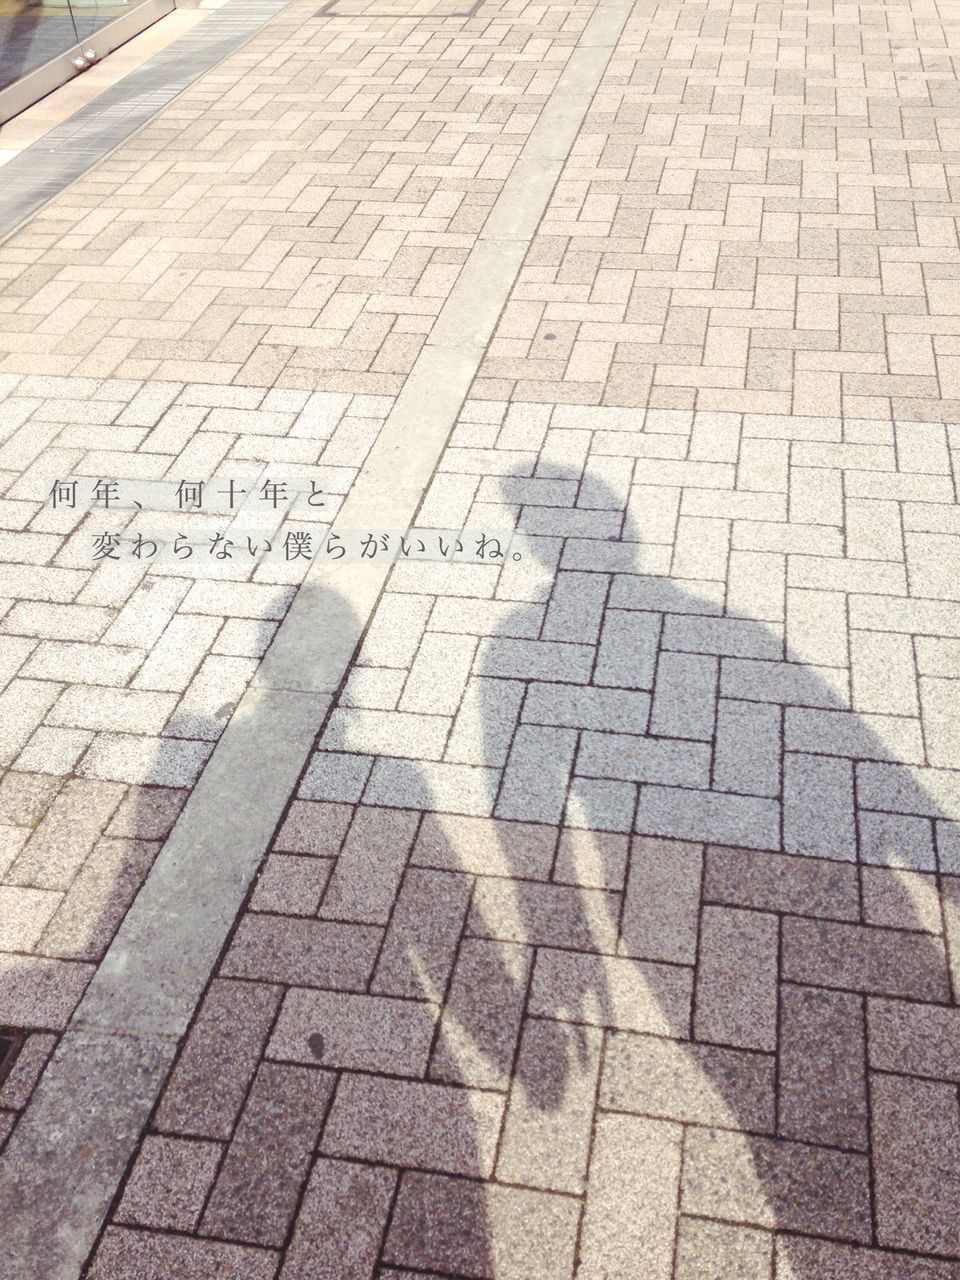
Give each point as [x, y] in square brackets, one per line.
[612, 930]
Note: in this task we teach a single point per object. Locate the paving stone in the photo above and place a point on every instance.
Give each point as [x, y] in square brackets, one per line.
[341, 1221]
[631, 1202]
[290, 886]
[357, 1032]
[861, 958]
[421, 942]
[914, 1039]
[593, 859]
[915, 1128]
[766, 1182]
[627, 655]
[670, 761]
[461, 1226]
[485, 846]
[684, 696]
[686, 814]
[258, 1185]
[660, 917]
[612, 992]
[546, 1133]
[800, 1256]
[367, 873]
[535, 779]
[822, 1081]
[736, 995]
[774, 882]
[39, 992]
[544, 915]
[224, 1045]
[723, 1252]
[433, 1126]
[698, 1083]
[124, 1254]
[169, 1183]
[900, 899]
[818, 807]
[321, 953]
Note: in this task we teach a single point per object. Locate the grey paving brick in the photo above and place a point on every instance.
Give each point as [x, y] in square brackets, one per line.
[486, 720]
[731, 637]
[535, 779]
[916, 1137]
[367, 873]
[586, 708]
[485, 846]
[439, 674]
[628, 650]
[356, 1032]
[703, 815]
[661, 760]
[534, 659]
[818, 806]
[702, 1083]
[576, 607]
[396, 733]
[684, 696]
[258, 1186]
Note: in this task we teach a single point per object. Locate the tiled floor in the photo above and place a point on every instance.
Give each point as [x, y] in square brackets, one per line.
[612, 929]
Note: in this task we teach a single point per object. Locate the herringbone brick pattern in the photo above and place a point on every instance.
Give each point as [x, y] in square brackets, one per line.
[611, 933]
[759, 215]
[723, 627]
[118, 677]
[460, 1046]
[613, 928]
[298, 216]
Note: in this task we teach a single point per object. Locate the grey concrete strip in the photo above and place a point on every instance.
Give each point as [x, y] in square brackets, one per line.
[72, 1148]
[57, 1180]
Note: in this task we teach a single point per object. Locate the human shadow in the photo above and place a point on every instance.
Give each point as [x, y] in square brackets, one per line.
[740, 867]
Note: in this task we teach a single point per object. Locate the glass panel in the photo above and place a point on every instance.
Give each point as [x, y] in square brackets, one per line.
[31, 33]
[91, 15]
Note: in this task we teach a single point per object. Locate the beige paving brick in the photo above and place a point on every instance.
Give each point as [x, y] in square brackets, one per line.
[547, 1127]
[726, 1252]
[482, 1231]
[434, 1126]
[631, 1198]
[914, 1124]
[341, 1222]
[764, 1182]
[687, 1082]
[736, 1000]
